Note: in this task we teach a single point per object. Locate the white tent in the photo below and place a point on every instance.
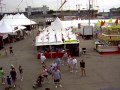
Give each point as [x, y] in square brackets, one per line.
[56, 26]
[54, 35]
[27, 20]
[4, 28]
[55, 38]
[17, 28]
[16, 20]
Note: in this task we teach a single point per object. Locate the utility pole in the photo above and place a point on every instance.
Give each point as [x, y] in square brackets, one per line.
[76, 8]
[89, 13]
[1, 7]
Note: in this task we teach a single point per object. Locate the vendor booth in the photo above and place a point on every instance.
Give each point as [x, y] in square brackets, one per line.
[55, 40]
[56, 48]
[110, 38]
[15, 27]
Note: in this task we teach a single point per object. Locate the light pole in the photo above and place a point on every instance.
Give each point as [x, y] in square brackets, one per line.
[89, 14]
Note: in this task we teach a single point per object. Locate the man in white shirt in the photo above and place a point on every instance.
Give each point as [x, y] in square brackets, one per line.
[42, 58]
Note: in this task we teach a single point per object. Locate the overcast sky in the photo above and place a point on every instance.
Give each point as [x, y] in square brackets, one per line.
[11, 5]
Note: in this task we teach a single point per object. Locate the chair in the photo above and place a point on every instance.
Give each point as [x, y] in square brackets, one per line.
[83, 50]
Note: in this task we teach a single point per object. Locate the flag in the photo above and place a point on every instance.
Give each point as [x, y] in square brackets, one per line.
[110, 20]
[116, 21]
[102, 23]
[98, 23]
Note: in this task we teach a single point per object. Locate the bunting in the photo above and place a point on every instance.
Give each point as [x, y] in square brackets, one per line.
[116, 21]
[110, 20]
[102, 24]
[98, 23]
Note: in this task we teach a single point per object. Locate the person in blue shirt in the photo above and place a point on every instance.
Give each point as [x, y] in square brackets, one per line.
[56, 76]
[58, 62]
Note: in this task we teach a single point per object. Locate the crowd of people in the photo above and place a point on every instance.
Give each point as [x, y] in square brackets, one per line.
[54, 69]
[10, 79]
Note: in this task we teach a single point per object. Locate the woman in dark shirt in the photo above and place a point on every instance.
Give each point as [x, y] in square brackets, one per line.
[82, 66]
[13, 76]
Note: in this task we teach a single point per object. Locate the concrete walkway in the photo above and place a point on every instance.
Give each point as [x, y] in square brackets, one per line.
[102, 71]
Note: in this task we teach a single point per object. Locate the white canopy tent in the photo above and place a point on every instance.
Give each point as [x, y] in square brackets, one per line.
[55, 38]
[17, 20]
[4, 28]
[17, 28]
[56, 26]
[55, 34]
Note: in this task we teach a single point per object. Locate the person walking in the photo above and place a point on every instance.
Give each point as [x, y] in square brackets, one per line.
[82, 66]
[21, 72]
[56, 76]
[9, 81]
[13, 74]
[65, 58]
[58, 62]
[70, 64]
[45, 73]
[42, 58]
[11, 50]
[2, 75]
[74, 64]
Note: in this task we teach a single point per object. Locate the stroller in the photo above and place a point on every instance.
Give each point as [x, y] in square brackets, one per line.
[38, 82]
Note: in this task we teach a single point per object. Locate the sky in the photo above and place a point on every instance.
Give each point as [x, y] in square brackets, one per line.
[11, 5]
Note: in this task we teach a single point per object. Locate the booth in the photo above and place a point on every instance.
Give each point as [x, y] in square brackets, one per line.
[110, 38]
[53, 51]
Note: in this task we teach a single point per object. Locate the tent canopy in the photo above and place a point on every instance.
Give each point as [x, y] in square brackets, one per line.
[55, 38]
[4, 28]
[18, 19]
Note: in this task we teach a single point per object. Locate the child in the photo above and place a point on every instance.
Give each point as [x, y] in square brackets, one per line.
[45, 73]
[21, 72]
[11, 50]
[9, 82]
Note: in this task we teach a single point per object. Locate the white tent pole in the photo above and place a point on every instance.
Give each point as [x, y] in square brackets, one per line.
[50, 51]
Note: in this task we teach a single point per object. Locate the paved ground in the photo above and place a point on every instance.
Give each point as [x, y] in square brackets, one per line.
[102, 71]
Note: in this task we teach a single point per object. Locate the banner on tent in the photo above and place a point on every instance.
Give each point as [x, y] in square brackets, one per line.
[70, 41]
